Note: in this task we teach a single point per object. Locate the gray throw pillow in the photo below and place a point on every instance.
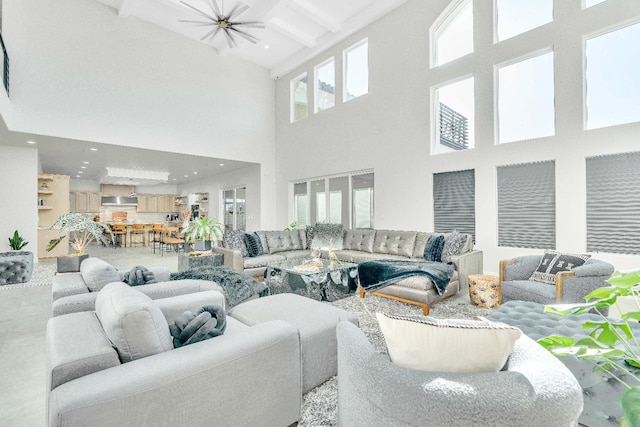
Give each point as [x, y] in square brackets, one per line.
[553, 262]
[453, 245]
[253, 244]
[234, 239]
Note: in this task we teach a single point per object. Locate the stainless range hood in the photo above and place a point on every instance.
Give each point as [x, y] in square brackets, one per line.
[119, 201]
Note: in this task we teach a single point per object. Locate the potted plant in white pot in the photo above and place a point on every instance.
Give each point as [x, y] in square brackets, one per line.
[18, 263]
[82, 230]
[202, 234]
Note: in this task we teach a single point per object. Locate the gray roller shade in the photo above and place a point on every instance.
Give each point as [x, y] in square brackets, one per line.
[613, 203]
[527, 205]
[454, 202]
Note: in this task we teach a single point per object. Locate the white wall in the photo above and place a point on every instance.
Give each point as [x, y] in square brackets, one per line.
[79, 71]
[389, 129]
[249, 177]
[19, 208]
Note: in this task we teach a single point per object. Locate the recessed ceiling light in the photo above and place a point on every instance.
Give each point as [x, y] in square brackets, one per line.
[83, 167]
[186, 176]
[93, 149]
[77, 176]
[80, 172]
[221, 164]
[195, 173]
[174, 179]
[86, 163]
[266, 46]
[31, 142]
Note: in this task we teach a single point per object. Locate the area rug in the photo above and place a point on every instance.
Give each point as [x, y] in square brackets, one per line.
[319, 406]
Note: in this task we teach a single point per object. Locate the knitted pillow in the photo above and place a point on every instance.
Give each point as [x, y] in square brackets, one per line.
[433, 248]
[253, 244]
[234, 239]
[453, 245]
[553, 262]
[139, 275]
[447, 345]
[190, 328]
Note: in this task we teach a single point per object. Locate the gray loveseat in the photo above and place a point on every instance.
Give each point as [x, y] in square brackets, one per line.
[73, 292]
[360, 245]
[117, 366]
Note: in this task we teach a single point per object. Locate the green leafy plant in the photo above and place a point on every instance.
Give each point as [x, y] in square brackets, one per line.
[82, 230]
[611, 344]
[204, 229]
[292, 226]
[16, 242]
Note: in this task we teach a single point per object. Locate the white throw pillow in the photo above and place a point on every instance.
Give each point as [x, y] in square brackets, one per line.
[97, 272]
[132, 321]
[447, 345]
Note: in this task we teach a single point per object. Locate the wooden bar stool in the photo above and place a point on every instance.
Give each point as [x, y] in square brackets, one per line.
[171, 240]
[119, 235]
[137, 232]
[156, 232]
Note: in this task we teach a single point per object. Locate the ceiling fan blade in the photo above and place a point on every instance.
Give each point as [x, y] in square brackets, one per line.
[237, 10]
[230, 40]
[214, 7]
[255, 24]
[245, 35]
[211, 33]
[198, 10]
[197, 22]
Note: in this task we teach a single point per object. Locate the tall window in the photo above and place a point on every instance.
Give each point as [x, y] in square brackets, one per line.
[356, 71]
[518, 16]
[613, 87]
[454, 109]
[299, 99]
[234, 204]
[301, 204]
[526, 99]
[345, 199]
[362, 186]
[325, 85]
[453, 33]
[613, 203]
[454, 202]
[527, 205]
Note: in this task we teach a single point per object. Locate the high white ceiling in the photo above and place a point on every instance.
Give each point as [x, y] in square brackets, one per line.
[295, 30]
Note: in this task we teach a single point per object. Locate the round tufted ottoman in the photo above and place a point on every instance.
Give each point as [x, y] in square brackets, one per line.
[485, 290]
[601, 393]
[15, 267]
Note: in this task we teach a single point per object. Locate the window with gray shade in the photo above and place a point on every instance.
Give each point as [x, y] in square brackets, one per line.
[527, 205]
[613, 203]
[454, 201]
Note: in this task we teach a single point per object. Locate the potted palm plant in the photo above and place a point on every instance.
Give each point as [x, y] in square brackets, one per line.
[19, 263]
[203, 232]
[82, 230]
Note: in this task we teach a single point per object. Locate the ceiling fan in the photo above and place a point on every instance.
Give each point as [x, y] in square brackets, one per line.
[221, 21]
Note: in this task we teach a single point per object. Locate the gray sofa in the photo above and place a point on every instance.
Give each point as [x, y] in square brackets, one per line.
[117, 366]
[73, 292]
[360, 245]
[533, 389]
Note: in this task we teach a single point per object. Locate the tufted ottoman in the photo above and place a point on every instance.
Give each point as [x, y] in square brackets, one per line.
[15, 267]
[316, 322]
[602, 394]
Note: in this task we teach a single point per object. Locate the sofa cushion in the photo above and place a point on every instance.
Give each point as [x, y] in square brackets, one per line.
[96, 273]
[359, 240]
[433, 249]
[391, 242]
[134, 324]
[421, 241]
[263, 260]
[454, 244]
[282, 241]
[327, 236]
[234, 239]
[553, 262]
[447, 345]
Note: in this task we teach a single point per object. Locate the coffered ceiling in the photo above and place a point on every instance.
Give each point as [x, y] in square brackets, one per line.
[295, 30]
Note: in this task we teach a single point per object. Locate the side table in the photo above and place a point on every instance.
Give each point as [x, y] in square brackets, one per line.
[485, 290]
[186, 262]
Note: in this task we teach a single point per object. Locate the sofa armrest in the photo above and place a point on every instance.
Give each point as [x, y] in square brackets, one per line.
[251, 377]
[76, 346]
[65, 284]
[466, 264]
[232, 258]
[174, 306]
[74, 304]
